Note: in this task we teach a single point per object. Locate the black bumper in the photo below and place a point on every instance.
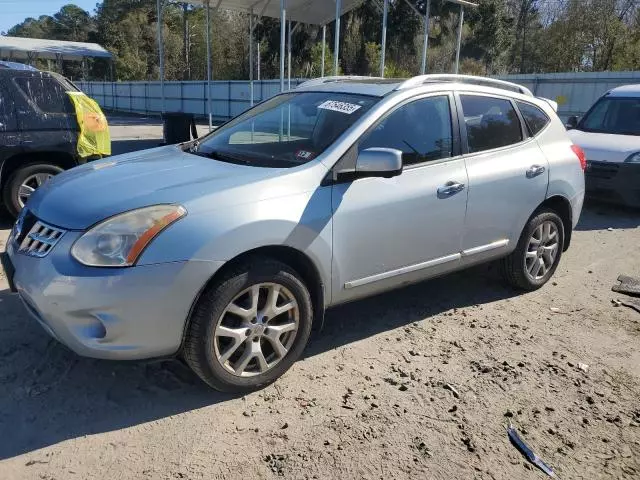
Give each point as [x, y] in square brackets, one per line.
[9, 270]
[614, 182]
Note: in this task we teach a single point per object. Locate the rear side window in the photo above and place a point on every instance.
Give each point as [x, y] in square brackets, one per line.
[46, 93]
[535, 118]
[491, 122]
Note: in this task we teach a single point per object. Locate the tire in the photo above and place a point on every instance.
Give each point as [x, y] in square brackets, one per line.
[204, 348]
[518, 267]
[28, 173]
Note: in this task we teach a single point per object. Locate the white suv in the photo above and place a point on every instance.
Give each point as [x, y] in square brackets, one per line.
[609, 134]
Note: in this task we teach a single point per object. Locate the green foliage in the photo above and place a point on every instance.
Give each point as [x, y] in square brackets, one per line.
[500, 36]
[313, 67]
[372, 54]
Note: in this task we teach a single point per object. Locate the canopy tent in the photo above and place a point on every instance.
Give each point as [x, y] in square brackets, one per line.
[18, 48]
[30, 49]
[314, 12]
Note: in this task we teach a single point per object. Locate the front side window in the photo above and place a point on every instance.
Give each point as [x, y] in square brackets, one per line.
[420, 129]
[287, 130]
[46, 93]
[535, 118]
[616, 115]
[491, 122]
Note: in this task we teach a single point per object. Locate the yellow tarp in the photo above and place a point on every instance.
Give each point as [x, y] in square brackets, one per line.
[94, 138]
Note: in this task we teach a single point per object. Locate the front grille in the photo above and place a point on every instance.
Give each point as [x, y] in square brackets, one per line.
[40, 240]
[604, 170]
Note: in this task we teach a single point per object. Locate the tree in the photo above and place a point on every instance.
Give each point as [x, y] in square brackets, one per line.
[500, 36]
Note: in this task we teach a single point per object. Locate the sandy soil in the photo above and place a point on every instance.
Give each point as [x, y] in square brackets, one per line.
[369, 398]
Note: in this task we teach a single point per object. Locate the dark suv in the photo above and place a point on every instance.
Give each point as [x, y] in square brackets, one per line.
[38, 133]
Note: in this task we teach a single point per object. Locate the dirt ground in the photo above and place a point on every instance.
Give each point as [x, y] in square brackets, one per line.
[369, 399]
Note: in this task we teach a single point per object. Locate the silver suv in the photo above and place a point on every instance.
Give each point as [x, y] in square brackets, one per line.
[226, 250]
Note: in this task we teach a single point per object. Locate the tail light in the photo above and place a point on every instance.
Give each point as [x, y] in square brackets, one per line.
[581, 156]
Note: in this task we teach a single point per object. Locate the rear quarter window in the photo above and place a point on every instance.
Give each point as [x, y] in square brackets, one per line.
[534, 118]
[47, 94]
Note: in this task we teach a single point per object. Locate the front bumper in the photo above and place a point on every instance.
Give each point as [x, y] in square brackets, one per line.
[119, 314]
[613, 182]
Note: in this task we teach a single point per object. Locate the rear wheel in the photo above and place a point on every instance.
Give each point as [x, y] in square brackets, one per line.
[250, 327]
[538, 252]
[23, 182]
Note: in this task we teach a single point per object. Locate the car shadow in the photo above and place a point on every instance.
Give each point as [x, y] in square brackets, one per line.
[51, 395]
[602, 216]
[355, 321]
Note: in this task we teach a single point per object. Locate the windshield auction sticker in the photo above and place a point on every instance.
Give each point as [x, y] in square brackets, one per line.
[342, 107]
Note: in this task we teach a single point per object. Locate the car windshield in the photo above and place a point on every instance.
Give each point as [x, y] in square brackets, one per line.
[617, 115]
[286, 130]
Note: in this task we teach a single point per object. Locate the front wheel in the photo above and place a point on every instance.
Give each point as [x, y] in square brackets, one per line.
[250, 327]
[538, 252]
[24, 181]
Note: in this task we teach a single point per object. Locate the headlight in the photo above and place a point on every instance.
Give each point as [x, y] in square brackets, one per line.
[119, 241]
[633, 158]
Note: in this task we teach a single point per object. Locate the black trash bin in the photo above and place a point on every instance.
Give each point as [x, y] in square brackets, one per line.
[178, 127]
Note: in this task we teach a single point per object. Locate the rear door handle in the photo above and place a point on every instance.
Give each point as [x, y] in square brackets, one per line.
[535, 170]
[449, 189]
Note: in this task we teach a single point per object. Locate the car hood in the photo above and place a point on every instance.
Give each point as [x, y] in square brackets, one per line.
[605, 147]
[80, 197]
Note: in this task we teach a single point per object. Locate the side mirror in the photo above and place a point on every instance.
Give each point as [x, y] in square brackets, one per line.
[379, 162]
[572, 122]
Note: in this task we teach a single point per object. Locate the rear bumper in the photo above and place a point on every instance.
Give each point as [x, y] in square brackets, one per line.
[614, 182]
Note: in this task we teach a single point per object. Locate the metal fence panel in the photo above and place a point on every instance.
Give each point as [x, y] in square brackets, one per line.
[574, 92]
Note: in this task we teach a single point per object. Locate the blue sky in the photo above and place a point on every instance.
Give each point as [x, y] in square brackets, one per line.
[15, 11]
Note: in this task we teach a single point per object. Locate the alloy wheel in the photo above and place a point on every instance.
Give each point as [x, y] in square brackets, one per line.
[30, 184]
[542, 250]
[256, 330]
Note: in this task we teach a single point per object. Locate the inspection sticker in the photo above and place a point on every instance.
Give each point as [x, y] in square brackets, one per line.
[304, 155]
[342, 107]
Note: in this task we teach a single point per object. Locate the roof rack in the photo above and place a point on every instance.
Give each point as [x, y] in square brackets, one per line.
[470, 79]
[337, 78]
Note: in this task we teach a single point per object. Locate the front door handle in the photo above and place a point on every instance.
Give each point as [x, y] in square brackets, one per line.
[449, 189]
[535, 170]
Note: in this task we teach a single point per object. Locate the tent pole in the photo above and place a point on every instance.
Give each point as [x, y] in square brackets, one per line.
[384, 36]
[336, 46]
[425, 45]
[289, 55]
[251, 55]
[161, 52]
[457, 68]
[208, 20]
[283, 21]
[258, 61]
[324, 45]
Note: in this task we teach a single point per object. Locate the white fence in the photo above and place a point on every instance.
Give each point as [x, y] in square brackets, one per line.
[574, 92]
[229, 98]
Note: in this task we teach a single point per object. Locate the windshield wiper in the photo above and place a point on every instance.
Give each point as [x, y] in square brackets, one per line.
[223, 156]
